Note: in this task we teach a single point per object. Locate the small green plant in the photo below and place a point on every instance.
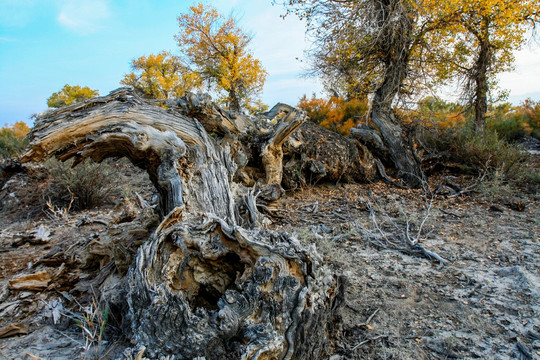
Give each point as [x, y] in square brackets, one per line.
[451, 343]
[495, 185]
[533, 176]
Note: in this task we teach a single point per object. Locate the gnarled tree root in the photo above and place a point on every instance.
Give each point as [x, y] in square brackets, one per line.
[208, 289]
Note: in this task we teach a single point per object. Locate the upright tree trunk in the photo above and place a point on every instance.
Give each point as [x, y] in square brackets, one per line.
[202, 285]
[481, 86]
[234, 101]
[400, 152]
[395, 26]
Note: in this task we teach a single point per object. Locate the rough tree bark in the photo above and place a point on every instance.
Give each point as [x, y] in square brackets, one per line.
[480, 71]
[395, 24]
[209, 281]
[400, 152]
[313, 154]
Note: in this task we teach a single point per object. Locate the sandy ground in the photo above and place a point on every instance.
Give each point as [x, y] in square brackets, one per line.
[484, 303]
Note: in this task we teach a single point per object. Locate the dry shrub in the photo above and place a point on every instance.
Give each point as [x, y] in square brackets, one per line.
[86, 186]
[498, 163]
[335, 114]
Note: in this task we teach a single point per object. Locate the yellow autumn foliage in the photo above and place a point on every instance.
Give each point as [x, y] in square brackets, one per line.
[335, 114]
[218, 50]
[12, 139]
[463, 26]
[70, 95]
[162, 76]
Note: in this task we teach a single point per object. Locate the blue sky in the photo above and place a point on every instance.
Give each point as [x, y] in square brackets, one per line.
[45, 44]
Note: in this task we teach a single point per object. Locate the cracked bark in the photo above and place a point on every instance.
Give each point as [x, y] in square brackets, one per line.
[209, 281]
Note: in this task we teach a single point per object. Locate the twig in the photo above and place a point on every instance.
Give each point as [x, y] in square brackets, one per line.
[369, 340]
[69, 337]
[450, 213]
[308, 205]
[339, 216]
[370, 318]
[525, 352]
[428, 253]
[386, 336]
[411, 241]
[428, 213]
[109, 349]
[471, 187]
[34, 356]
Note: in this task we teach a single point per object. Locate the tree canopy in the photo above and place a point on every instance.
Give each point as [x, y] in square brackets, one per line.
[359, 44]
[12, 139]
[218, 51]
[161, 76]
[391, 47]
[369, 46]
[479, 39]
[70, 95]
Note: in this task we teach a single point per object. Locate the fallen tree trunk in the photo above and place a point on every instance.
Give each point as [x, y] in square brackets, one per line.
[209, 281]
[292, 153]
[314, 154]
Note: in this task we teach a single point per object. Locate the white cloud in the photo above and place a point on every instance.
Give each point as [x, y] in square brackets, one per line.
[84, 16]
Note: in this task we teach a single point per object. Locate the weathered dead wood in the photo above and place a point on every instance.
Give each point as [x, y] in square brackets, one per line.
[272, 151]
[121, 124]
[214, 119]
[203, 284]
[37, 236]
[13, 330]
[209, 289]
[371, 138]
[278, 110]
[401, 152]
[35, 282]
[313, 154]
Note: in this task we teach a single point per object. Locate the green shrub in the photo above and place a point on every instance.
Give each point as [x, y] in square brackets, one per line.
[489, 153]
[513, 123]
[509, 128]
[533, 176]
[486, 155]
[86, 186]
